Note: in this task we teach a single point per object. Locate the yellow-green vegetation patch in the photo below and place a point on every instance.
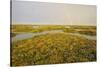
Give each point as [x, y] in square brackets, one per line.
[53, 49]
[86, 31]
[35, 28]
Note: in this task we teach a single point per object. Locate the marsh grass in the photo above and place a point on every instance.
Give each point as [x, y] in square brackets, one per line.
[53, 49]
[87, 30]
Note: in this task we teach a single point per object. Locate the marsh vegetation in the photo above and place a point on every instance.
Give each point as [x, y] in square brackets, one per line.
[53, 48]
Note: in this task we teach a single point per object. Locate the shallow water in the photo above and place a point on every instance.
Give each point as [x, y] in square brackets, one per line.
[25, 35]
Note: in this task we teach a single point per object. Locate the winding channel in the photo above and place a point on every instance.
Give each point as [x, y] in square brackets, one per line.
[25, 35]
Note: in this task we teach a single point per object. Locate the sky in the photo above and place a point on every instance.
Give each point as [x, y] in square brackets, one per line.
[31, 12]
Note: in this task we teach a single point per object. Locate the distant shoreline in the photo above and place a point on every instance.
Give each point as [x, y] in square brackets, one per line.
[53, 24]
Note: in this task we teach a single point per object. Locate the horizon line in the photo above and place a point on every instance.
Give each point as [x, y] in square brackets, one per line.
[55, 24]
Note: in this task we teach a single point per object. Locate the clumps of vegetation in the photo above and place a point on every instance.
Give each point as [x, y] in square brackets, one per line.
[35, 28]
[69, 30]
[80, 31]
[87, 30]
[21, 28]
[53, 49]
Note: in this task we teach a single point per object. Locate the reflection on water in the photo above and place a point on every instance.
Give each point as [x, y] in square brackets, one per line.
[25, 35]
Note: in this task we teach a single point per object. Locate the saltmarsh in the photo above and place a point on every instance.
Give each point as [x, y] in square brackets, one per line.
[53, 49]
[87, 30]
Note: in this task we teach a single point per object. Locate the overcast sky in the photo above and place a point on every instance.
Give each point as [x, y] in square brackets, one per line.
[30, 12]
